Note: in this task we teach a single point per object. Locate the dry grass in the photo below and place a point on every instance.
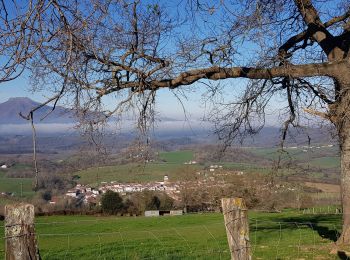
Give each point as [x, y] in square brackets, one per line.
[324, 187]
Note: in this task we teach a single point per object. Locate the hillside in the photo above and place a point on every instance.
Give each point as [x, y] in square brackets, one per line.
[9, 112]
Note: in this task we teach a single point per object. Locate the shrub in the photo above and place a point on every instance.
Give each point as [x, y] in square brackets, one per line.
[111, 202]
[46, 195]
[154, 203]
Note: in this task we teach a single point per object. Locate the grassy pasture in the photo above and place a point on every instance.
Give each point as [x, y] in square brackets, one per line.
[248, 167]
[14, 185]
[287, 235]
[317, 160]
[133, 172]
[325, 162]
[173, 166]
[274, 153]
[301, 154]
[178, 157]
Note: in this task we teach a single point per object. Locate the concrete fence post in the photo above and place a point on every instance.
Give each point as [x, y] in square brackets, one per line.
[237, 228]
[20, 242]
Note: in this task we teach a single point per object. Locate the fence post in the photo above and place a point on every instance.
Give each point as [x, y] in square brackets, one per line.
[237, 227]
[20, 241]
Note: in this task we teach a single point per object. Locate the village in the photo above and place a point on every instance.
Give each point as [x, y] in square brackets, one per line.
[90, 195]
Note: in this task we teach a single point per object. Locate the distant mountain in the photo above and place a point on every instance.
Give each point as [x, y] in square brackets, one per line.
[168, 130]
[9, 112]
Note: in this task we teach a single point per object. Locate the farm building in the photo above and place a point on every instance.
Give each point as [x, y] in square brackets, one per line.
[152, 213]
[72, 193]
[157, 213]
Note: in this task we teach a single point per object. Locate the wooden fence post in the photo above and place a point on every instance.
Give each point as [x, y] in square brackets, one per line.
[20, 243]
[237, 227]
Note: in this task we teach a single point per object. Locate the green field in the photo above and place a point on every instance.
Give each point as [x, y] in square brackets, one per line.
[172, 165]
[295, 153]
[287, 235]
[325, 162]
[133, 172]
[178, 157]
[248, 167]
[16, 185]
[274, 153]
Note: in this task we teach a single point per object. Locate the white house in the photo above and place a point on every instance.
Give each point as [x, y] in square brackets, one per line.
[72, 193]
[128, 189]
[4, 166]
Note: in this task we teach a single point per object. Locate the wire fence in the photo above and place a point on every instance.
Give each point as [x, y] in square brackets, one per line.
[272, 236]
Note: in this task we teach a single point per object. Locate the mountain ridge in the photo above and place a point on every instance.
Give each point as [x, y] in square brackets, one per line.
[10, 110]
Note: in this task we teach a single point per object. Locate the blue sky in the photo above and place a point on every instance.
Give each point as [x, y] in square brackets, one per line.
[18, 88]
[168, 105]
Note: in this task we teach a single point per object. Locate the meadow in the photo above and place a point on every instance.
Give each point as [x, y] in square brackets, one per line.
[176, 156]
[286, 235]
[316, 162]
[171, 164]
[18, 186]
[134, 172]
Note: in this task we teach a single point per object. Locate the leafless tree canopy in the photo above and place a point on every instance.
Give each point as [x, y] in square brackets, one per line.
[90, 49]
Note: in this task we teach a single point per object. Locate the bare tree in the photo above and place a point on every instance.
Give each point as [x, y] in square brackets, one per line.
[296, 49]
[26, 27]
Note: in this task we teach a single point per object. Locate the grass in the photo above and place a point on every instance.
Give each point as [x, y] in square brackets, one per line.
[6, 200]
[299, 154]
[178, 157]
[272, 153]
[133, 172]
[320, 162]
[172, 165]
[15, 185]
[325, 162]
[248, 167]
[286, 235]
[21, 166]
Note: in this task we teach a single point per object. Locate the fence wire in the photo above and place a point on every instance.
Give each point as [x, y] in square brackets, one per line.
[304, 236]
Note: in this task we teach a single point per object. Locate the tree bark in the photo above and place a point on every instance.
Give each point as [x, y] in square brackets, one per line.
[343, 127]
[19, 233]
[345, 184]
[237, 228]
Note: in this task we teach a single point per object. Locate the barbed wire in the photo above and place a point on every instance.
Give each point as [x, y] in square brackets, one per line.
[269, 239]
[253, 222]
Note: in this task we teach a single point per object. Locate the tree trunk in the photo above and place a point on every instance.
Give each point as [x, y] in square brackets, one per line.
[345, 185]
[345, 192]
[19, 232]
[343, 127]
[237, 228]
